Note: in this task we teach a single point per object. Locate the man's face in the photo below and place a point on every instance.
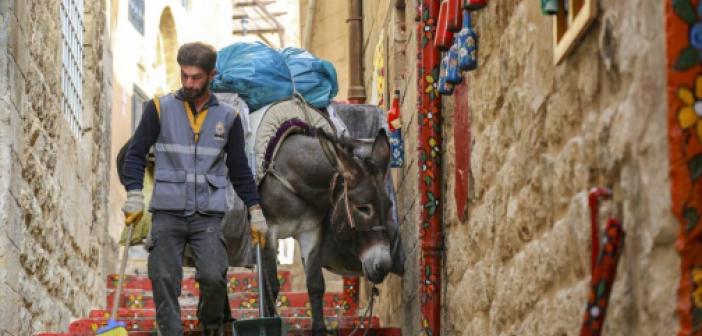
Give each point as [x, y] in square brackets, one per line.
[195, 81]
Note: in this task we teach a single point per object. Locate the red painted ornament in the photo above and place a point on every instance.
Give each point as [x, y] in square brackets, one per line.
[443, 38]
[454, 15]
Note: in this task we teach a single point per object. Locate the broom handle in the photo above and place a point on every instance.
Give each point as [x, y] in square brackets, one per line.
[260, 281]
[122, 268]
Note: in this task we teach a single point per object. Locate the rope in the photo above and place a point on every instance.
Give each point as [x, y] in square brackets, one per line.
[368, 314]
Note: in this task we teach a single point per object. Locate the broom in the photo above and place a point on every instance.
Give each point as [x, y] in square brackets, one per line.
[114, 327]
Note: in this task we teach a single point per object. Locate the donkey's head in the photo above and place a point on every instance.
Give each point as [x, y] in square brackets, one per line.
[360, 202]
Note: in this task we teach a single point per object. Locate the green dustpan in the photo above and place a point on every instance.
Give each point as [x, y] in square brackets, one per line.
[262, 326]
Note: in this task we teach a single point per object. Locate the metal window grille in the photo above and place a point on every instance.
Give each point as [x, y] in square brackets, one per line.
[136, 15]
[72, 64]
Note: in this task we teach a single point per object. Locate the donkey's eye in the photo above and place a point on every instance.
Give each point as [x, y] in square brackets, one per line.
[365, 209]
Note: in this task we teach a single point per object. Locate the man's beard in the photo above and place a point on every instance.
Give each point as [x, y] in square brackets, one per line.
[192, 94]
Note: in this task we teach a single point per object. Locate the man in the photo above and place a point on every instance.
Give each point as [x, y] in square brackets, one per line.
[196, 142]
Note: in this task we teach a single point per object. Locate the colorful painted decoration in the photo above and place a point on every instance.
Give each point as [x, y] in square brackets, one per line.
[453, 73]
[602, 279]
[429, 145]
[684, 73]
[474, 4]
[690, 54]
[549, 7]
[445, 88]
[444, 37]
[397, 144]
[468, 52]
[454, 15]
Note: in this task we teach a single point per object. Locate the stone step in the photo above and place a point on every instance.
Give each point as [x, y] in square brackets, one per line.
[88, 326]
[337, 332]
[143, 299]
[123, 313]
[236, 282]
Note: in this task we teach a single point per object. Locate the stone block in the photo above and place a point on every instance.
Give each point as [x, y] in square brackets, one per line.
[21, 11]
[9, 310]
[16, 83]
[17, 42]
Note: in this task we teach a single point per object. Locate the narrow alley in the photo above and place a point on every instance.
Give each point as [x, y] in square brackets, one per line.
[418, 167]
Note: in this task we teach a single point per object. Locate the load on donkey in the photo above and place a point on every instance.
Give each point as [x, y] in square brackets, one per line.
[322, 170]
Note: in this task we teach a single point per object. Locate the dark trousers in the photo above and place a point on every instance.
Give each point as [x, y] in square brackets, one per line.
[169, 234]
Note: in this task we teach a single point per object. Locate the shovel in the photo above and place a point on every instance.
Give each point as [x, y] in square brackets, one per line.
[262, 326]
[114, 327]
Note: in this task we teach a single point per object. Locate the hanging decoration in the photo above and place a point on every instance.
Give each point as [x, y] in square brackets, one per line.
[397, 144]
[445, 88]
[474, 4]
[461, 142]
[454, 15]
[468, 44]
[603, 264]
[684, 75]
[444, 37]
[378, 86]
[453, 74]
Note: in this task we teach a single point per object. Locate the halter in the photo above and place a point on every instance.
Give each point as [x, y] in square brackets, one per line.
[349, 217]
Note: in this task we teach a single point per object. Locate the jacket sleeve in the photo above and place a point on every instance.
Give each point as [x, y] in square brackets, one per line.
[238, 165]
[144, 137]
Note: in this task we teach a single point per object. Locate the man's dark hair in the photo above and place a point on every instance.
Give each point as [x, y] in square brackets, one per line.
[198, 54]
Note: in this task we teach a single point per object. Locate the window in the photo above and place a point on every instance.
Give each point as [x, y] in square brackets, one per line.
[570, 24]
[139, 99]
[72, 64]
[136, 15]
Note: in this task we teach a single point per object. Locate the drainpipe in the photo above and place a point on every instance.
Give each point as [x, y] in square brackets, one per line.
[309, 21]
[356, 93]
[430, 179]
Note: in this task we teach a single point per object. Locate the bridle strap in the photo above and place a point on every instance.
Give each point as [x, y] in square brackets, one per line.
[349, 217]
[345, 195]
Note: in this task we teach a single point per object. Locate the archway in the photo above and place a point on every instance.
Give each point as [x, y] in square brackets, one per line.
[166, 52]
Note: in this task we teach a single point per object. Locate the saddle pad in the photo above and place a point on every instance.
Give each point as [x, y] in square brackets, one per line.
[275, 123]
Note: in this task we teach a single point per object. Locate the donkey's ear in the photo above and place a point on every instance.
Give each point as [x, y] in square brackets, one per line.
[340, 158]
[381, 150]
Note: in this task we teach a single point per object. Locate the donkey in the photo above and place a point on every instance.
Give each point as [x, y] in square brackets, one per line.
[334, 203]
[329, 194]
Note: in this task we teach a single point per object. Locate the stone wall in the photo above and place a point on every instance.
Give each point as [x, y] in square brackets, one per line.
[542, 136]
[330, 35]
[398, 304]
[53, 186]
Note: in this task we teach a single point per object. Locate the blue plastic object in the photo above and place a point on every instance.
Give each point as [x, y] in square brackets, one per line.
[255, 71]
[314, 78]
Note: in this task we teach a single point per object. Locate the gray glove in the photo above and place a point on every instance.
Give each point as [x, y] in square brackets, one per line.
[133, 207]
[259, 227]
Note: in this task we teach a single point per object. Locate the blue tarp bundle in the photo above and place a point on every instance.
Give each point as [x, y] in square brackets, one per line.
[254, 71]
[262, 75]
[314, 78]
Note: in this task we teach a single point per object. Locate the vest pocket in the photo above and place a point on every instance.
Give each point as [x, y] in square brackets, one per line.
[169, 190]
[218, 193]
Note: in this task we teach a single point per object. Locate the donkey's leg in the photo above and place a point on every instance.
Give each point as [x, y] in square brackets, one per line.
[269, 257]
[310, 245]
